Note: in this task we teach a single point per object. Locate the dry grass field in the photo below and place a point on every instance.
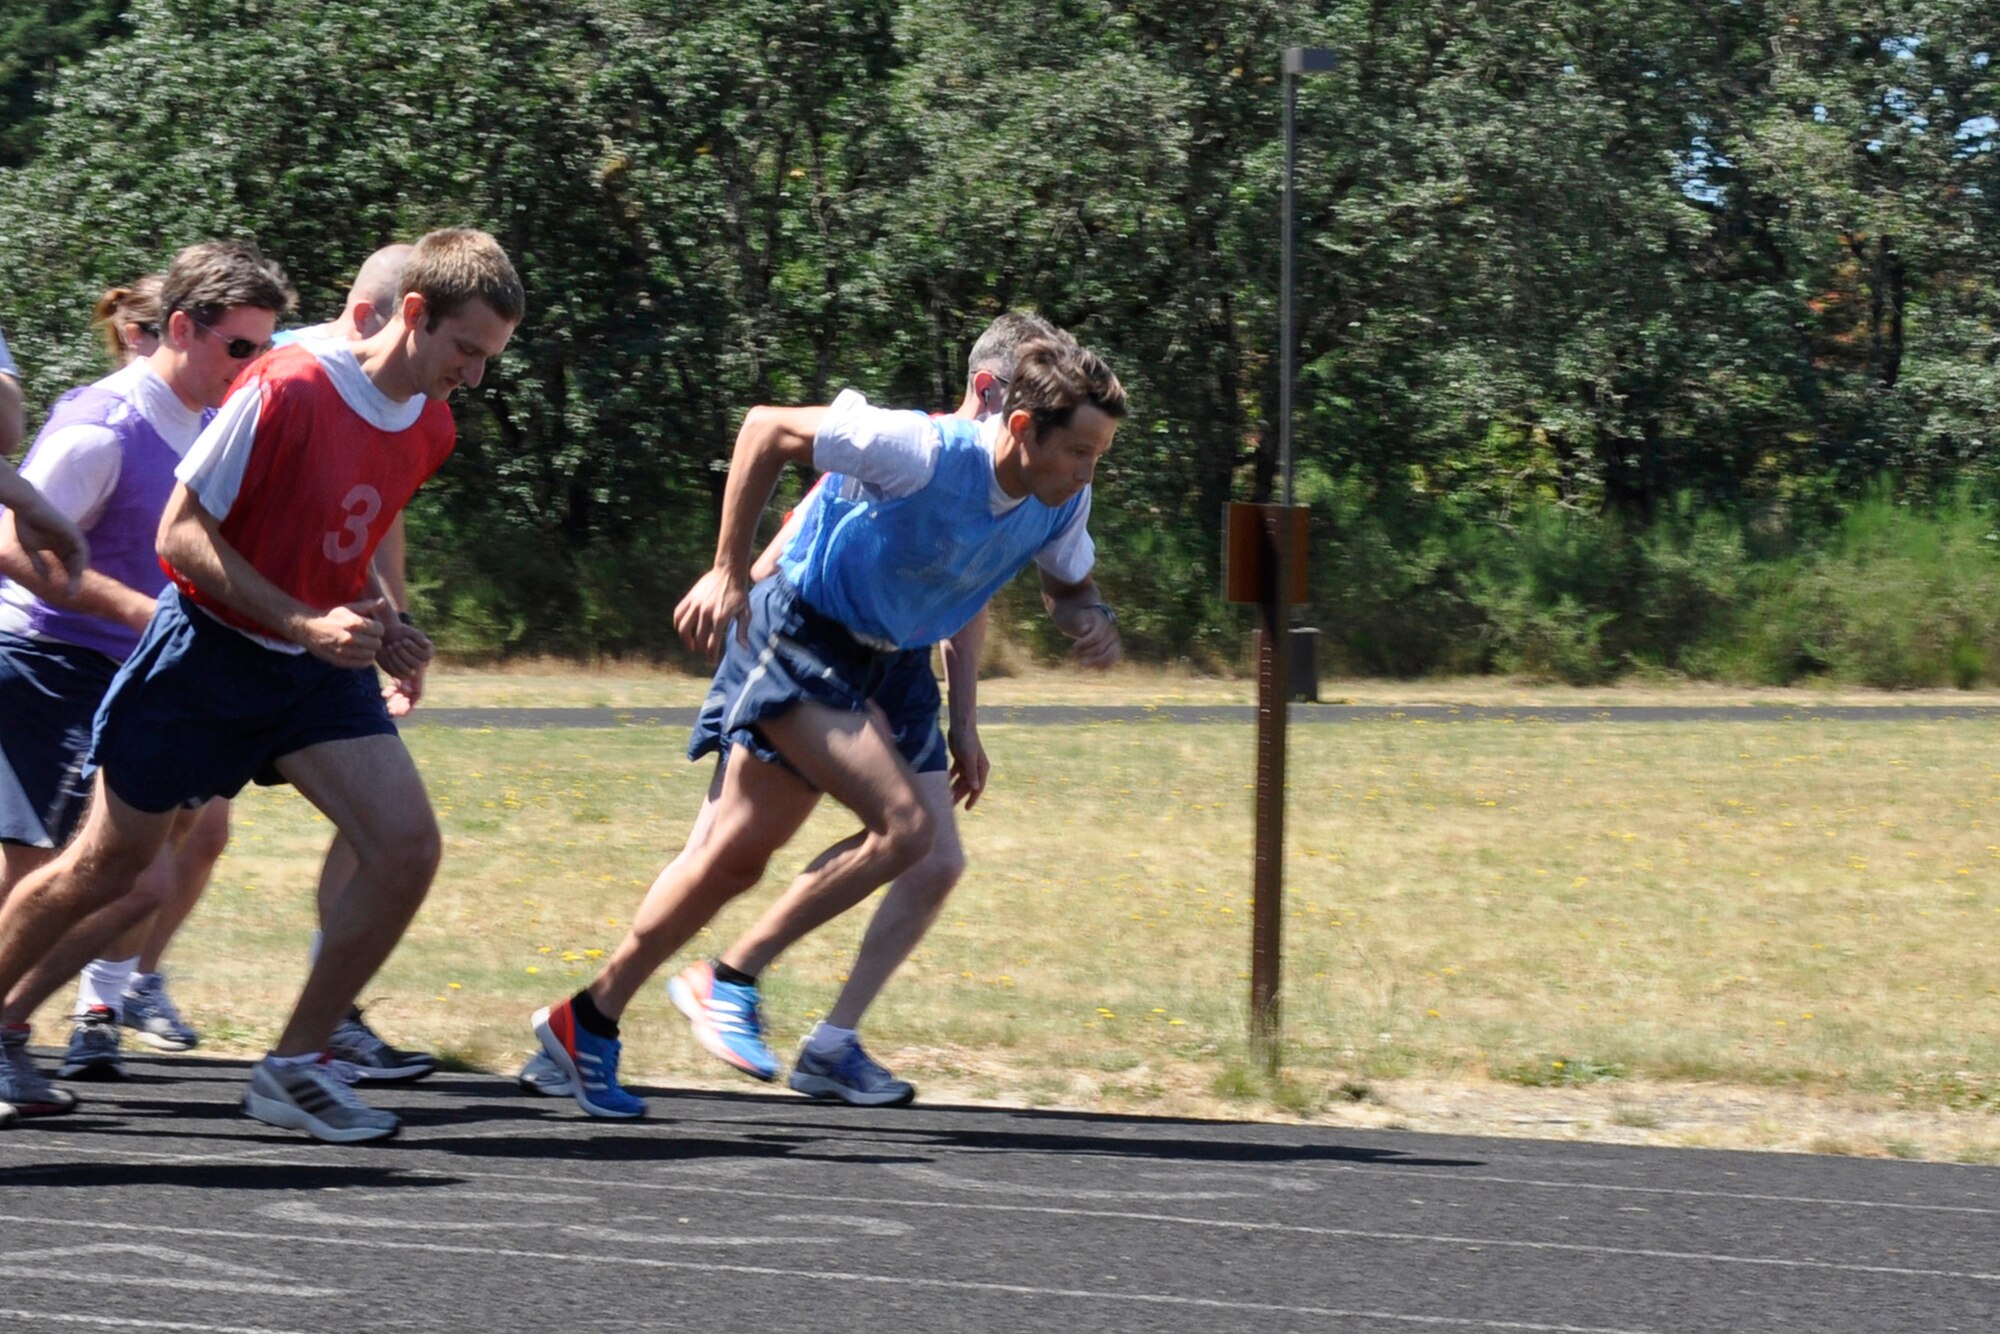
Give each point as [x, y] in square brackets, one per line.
[1722, 933]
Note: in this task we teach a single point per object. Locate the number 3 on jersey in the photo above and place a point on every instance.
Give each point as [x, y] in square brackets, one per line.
[362, 504]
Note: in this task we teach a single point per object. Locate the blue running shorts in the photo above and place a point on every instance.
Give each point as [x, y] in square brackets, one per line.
[798, 653]
[49, 691]
[198, 711]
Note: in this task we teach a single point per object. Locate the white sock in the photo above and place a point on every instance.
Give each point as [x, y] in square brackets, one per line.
[285, 1062]
[825, 1039]
[102, 982]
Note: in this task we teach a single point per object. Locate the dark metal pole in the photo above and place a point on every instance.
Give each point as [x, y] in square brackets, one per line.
[1285, 283]
[1274, 598]
[1268, 885]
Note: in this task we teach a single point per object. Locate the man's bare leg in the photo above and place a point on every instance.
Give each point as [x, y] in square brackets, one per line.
[851, 756]
[907, 911]
[95, 935]
[370, 789]
[99, 867]
[195, 854]
[757, 811]
[831, 1062]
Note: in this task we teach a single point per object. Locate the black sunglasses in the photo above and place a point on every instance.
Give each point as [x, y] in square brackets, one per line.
[242, 349]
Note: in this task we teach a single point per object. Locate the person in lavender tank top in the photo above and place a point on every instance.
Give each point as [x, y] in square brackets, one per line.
[106, 459]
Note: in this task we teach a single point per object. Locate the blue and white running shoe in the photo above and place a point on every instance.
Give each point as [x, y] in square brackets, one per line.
[591, 1062]
[724, 1018]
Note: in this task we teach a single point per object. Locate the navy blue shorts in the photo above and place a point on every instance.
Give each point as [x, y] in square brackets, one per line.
[49, 691]
[796, 653]
[198, 711]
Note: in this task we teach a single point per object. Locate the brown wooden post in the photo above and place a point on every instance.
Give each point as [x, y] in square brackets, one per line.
[1266, 548]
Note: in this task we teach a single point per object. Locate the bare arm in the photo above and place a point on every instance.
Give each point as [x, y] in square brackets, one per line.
[93, 592]
[47, 538]
[191, 541]
[1080, 612]
[769, 439]
[969, 764]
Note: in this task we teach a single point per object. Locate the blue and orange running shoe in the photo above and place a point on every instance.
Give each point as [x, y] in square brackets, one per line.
[591, 1062]
[724, 1018]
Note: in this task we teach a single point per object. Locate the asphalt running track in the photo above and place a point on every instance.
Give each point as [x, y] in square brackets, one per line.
[158, 1206]
[1074, 714]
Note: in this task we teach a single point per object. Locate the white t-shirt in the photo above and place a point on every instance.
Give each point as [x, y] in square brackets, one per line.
[77, 467]
[891, 452]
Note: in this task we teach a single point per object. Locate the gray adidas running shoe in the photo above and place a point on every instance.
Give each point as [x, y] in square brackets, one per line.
[22, 1084]
[152, 1015]
[375, 1061]
[315, 1098]
[93, 1047]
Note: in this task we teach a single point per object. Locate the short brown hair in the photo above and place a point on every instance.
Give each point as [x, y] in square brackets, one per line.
[459, 264]
[119, 306]
[209, 278]
[1053, 377]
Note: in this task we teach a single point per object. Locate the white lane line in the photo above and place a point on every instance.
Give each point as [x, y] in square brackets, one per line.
[183, 1284]
[1224, 1225]
[115, 1322]
[898, 1281]
[878, 1202]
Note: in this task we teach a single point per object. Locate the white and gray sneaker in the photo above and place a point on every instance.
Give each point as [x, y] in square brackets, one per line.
[542, 1075]
[314, 1097]
[375, 1061]
[22, 1084]
[151, 1014]
[8, 1116]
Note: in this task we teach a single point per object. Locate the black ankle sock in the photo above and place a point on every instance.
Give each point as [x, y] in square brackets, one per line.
[734, 976]
[591, 1017]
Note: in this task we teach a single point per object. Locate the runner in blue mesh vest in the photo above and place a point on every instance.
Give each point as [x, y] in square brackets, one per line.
[926, 519]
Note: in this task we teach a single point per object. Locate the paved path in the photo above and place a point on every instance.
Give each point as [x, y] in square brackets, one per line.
[158, 1207]
[1070, 715]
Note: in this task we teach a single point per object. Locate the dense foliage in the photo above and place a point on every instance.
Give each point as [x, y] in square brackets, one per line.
[1652, 332]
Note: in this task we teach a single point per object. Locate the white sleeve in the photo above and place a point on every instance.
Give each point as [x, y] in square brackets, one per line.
[76, 469]
[7, 366]
[1070, 555]
[893, 452]
[215, 464]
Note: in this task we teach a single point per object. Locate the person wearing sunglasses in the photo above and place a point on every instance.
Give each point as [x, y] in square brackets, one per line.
[258, 664]
[105, 458]
[125, 986]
